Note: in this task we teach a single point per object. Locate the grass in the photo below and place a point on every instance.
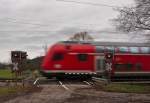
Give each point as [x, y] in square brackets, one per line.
[7, 90]
[5, 73]
[127, 88]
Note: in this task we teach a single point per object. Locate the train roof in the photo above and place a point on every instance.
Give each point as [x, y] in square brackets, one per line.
[97, 43]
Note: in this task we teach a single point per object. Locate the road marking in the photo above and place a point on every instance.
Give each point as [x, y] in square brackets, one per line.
[36, 81]
[63, 85]
[87, 83]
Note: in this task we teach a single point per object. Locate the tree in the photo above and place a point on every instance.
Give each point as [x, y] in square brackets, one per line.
[136, 18]
[82, 36]
[34, 64]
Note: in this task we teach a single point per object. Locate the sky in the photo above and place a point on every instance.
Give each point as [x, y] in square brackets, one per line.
[29, 25]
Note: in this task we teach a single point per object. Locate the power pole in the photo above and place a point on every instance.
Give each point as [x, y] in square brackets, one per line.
[45, 47]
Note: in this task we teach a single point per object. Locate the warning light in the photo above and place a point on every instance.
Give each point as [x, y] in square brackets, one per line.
[109, 55]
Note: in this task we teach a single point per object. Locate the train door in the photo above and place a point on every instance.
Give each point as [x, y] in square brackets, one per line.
[100, 64]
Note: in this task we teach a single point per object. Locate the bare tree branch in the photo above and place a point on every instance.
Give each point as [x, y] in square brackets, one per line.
[82, 36]
[134, 18]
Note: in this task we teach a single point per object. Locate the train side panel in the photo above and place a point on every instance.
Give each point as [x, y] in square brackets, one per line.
[131, 64]
[89, 59]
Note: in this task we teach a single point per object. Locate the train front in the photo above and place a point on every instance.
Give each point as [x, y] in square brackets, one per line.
[68, 60]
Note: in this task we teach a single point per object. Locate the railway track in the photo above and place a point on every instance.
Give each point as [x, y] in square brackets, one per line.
[67, 84]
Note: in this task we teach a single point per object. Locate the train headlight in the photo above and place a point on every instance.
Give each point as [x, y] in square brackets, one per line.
[57, 66]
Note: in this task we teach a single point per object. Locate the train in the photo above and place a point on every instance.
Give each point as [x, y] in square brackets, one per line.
[116, 59]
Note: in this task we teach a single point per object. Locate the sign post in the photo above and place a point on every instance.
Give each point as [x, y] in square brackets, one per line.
[18, 58]
[108, 60]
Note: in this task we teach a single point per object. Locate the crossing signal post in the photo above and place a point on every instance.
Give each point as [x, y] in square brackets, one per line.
[108, 60]
[18, 58]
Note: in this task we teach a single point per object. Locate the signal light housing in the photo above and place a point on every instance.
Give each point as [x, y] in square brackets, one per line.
[109, 56]
[17, 56]
[24, 55]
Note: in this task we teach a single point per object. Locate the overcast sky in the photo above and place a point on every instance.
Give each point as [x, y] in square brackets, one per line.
[30, 24]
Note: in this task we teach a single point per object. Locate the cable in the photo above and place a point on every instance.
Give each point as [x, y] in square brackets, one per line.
[89, 3]
[27, 31]
[12, 20]
[20, 22]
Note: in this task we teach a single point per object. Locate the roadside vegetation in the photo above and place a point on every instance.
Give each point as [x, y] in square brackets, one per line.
[29, 68]
[126, 88]
[6, 73]
[12, 90]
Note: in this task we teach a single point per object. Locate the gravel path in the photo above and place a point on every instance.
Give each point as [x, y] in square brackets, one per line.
[49, 94]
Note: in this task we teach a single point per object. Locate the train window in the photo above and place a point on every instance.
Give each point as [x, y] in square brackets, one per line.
[129, 66]
[83, 57]
[58, 56]
[134, 49]
[119, 66]
[109, 49]
[138, 66]
[123, 49]
[116, 50]
[145, 49]
[123, 66]
[99, 49]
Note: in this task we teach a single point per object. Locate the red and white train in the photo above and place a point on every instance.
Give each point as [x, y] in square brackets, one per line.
[91, 58]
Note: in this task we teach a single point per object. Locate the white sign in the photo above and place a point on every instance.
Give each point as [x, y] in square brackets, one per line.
[15, 66]
[108, 66]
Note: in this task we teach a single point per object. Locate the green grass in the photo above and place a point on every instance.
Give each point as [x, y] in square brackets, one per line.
[5, 73]
[7, 91]
[4, 91]
[127, 88]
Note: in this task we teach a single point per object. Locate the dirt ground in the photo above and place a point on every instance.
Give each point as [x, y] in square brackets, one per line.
[78, 94]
